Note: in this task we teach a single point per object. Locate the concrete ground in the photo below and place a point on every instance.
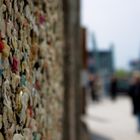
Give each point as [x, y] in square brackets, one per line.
[110, 120]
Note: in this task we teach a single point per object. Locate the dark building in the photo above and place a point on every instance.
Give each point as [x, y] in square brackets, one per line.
[135, 65]
[101, 62]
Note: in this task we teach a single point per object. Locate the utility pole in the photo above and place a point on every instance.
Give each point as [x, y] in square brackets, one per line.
[72, 69]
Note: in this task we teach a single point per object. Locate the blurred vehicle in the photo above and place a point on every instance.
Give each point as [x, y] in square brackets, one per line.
[123, 86]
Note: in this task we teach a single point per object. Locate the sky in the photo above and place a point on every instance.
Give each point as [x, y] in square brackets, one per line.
[117, 22]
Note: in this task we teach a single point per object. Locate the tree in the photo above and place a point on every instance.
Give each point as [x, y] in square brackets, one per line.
[121, 73]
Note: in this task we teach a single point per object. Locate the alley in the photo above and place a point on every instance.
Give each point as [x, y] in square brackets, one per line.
[110, 120]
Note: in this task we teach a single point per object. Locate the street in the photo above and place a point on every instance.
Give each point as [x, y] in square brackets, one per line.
[111, 120]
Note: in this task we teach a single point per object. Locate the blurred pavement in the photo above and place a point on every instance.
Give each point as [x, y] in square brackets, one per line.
[110, 120]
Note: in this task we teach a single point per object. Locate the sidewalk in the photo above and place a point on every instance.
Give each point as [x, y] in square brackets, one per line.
[110, 120]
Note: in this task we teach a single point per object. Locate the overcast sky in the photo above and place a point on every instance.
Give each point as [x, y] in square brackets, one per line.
[114, 21]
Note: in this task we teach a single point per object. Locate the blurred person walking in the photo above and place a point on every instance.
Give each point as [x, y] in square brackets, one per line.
[134, 92]
[99, 87]
[92, 87]
[113, 87]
